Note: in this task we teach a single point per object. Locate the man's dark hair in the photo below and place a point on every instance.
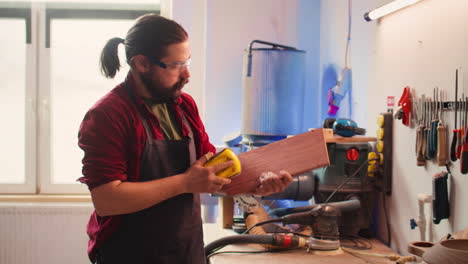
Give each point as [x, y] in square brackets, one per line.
[150, 36]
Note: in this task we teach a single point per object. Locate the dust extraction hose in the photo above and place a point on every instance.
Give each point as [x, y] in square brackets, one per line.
[353, 203]
[276, 240]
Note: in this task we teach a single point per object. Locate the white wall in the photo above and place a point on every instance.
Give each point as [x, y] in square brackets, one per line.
[333, 34]
[231, 26]
[420, 46]
[308, 38]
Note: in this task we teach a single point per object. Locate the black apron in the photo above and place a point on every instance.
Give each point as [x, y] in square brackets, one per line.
[168, 232]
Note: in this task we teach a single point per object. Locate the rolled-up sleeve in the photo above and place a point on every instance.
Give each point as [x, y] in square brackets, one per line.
[102, 137]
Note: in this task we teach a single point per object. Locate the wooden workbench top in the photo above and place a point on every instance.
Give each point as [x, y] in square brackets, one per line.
[298, 256]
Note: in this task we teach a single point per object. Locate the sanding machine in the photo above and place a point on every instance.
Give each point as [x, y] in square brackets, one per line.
[343, 194]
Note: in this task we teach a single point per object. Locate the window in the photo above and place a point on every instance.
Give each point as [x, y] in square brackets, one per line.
[50, 61]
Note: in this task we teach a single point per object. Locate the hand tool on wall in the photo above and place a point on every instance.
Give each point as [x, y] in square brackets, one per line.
[418, 126]
[415, 117]
[434, 124]
[415, 114]
[427, 128]
[442, 136]
[427, 154]
[453, 147]
[404, 111]
[440, 202]
[420, 139]
[464, 150]
[460, 130]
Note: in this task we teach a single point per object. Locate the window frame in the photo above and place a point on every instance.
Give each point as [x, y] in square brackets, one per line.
[38, 17]
[23, 10]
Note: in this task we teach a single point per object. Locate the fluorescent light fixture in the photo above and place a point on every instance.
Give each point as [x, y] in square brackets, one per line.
[387, 9]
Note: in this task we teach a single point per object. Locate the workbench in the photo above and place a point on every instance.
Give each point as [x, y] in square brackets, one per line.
[299, 256]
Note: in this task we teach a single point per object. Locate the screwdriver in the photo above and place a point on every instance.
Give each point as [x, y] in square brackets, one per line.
[420, 140]
[461, 129]
[425, 133]
[453, 147]
[429, 153]
[442, 136]
[416, 116]
[434, 125]
[464, 151]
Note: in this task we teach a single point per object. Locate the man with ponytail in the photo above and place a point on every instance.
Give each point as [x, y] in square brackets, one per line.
[144, 148]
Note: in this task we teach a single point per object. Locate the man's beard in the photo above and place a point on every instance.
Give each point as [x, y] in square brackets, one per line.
[162, 94]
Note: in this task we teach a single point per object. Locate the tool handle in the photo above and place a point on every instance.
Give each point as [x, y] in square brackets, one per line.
[442, 145]
[429, 153]
[464, 158]
[464, 162]
[418, 141]
[459, 143]
[433, 149]
[420, 145]
[453, 147]
[425, 143]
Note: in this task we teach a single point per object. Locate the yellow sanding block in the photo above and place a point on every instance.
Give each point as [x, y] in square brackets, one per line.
[223, 156]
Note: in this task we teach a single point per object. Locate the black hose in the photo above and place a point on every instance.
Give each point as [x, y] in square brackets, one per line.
[352, 204]
[238, 239]
[275, 46]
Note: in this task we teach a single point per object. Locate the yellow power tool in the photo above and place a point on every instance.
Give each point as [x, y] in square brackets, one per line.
[223, 156]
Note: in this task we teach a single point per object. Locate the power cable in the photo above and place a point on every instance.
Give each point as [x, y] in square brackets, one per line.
[349, 178]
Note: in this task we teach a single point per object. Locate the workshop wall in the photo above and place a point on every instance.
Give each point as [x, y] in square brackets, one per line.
[333, 35]
[420, 46]
[230, 27]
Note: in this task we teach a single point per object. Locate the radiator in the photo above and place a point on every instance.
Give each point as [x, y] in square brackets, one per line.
[44, 234]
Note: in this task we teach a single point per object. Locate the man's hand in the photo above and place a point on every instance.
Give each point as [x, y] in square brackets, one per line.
[199, 179]
[273, 183]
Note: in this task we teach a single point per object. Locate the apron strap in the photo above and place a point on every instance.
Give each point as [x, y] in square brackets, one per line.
[147, 130]
[192, 150]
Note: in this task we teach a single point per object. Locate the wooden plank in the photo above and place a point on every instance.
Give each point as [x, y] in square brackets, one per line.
[297, 154]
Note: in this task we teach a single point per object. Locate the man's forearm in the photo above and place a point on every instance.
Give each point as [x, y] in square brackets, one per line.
[119, 197]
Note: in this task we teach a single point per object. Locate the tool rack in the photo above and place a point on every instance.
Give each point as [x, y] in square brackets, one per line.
[432, 131]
